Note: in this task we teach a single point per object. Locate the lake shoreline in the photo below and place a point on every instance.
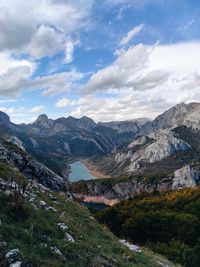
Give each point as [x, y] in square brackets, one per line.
[96, 199]
[93, 169]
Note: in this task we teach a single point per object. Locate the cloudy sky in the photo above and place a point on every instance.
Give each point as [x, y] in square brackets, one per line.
[108, 59]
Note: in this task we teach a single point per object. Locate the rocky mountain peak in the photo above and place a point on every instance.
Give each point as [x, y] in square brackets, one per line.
[4, 119]
[86, 122]
[44, 121]
[171, 117]
[41, 118]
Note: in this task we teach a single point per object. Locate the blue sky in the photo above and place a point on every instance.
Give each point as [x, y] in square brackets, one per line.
[109, 59]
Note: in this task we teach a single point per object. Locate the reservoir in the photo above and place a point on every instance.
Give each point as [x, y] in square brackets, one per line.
[79, 172]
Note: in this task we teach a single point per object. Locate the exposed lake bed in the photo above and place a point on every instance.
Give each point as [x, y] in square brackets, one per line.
[84, 170]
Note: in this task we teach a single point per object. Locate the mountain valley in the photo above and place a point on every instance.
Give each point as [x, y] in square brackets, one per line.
[141, 157]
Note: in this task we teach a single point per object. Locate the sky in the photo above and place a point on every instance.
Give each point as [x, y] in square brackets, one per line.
[105, 59]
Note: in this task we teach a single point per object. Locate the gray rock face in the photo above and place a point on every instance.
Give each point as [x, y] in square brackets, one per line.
[164, 144]
[43, 121]
[192, 119]
[185, 177]
[30, 167]
[126, 126]
[174, 116]
[124, 189]
[4, 119]
[14, 140]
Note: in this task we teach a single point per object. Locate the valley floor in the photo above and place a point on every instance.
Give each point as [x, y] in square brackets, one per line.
[93, 169]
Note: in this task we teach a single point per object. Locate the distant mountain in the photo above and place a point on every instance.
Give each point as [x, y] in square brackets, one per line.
[163, 156]
[181, 114]
[126, 126]
[55, 142]
[4, 119]
[121, 146]
[174, 132]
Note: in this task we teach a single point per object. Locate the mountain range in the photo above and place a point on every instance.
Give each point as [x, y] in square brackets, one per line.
[163, 155]
[41, 224]
[55, 142]
[141, 147]
[142, 156]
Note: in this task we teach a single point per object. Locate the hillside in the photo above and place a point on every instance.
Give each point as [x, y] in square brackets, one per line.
[40, 227]
[168, 223]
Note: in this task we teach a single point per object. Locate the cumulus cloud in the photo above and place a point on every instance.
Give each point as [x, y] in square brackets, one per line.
[143, 67]
[37, 109]
[129, 106]
[14, 80]
[8, 62]
[18, 78]
[56, 84]
[47, 41]
[117, 75]
[149, 80]
[35, 26]
[131, 34]
[142, 82]
[64, 102]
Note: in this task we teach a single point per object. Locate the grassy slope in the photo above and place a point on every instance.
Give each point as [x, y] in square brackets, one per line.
[94, 244]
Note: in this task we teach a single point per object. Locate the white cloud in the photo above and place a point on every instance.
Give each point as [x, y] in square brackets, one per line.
[181, 58]
[14, 80]
[56, 84]
[118, 75]
[17, 79]
[47, 41]
[8, 62]
[131, 34]
[14, 73]
[64, 102]
[41, 24]
[143, 67]
[124, 107]
[69, 49]
[145, 80]
[37, 109]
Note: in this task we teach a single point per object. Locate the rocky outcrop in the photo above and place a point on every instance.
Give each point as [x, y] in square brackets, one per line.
[15, 141]
[116, 190]
[185, 177]
[163, 144]
[103, 191]
[43, 123]
[30, 167]
[170, 118]
[192, 119]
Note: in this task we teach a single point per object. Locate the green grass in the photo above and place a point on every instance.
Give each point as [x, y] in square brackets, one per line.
[94, 244]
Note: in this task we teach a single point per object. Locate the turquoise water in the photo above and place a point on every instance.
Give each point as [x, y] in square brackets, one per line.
[79, 172]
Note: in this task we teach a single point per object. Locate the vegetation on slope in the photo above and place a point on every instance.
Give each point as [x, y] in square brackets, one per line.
[30, 224]
[168, 223]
